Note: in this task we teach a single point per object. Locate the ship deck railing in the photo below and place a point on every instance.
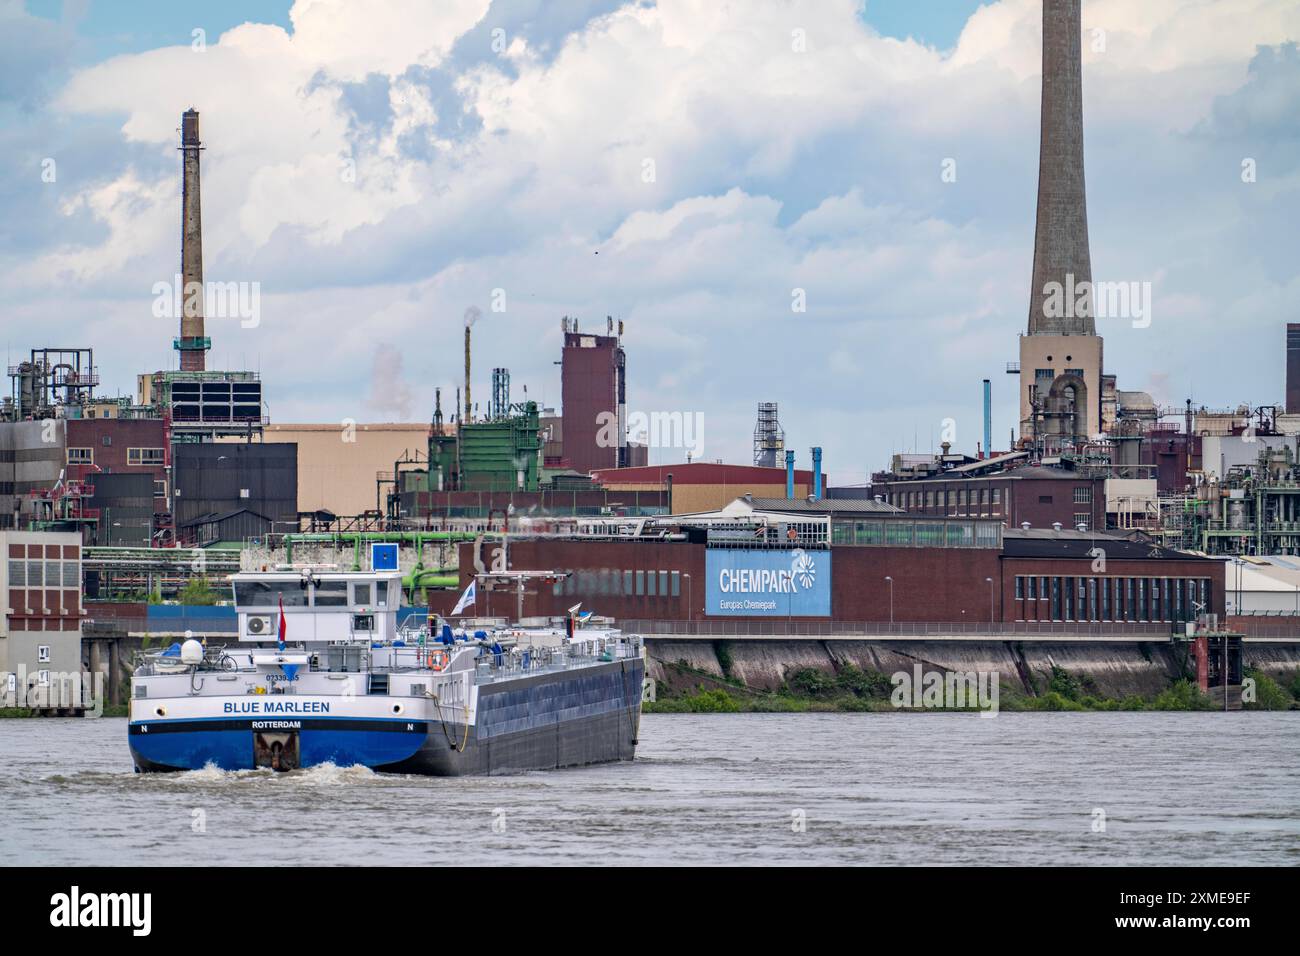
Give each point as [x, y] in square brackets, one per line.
[487, 666]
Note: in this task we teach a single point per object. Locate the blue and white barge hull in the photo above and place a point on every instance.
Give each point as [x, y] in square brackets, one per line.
[497, 701]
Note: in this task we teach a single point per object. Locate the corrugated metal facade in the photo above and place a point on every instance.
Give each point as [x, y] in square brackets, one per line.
[223, 478]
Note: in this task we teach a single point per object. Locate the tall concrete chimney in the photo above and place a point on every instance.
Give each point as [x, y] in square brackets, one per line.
[1061, 234]
[469, 410]
[192, 344]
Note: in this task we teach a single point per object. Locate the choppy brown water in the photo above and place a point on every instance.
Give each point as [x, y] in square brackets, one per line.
[705, 789]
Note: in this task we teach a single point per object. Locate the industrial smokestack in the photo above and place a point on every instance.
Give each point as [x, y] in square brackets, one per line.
[1061, 231]
[789, 473]
[192, 344]
[817, 472]
[988, 419]
[471, 316]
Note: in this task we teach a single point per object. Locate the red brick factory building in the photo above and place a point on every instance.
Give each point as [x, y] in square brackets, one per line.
[799, 561]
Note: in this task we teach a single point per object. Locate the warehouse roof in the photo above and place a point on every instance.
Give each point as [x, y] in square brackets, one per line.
[1050, 543]
[823, 505]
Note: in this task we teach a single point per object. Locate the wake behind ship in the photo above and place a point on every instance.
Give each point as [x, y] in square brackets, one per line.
[321, 674]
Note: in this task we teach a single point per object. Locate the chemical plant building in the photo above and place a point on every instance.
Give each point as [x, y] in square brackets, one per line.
[794, 562]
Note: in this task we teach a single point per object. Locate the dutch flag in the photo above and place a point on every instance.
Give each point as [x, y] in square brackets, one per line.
[281, 622]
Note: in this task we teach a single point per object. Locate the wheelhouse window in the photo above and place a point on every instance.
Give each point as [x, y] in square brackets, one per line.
[270, 594]
[331, 594]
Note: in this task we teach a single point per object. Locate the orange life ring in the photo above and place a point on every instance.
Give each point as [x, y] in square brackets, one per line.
[437, 660]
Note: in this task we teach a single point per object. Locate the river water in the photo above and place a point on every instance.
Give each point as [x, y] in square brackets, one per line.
[1183, 788]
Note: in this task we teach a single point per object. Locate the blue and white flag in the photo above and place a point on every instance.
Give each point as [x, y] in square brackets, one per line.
[466, 599]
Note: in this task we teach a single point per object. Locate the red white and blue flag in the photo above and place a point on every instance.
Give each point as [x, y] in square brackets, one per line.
[281, 622]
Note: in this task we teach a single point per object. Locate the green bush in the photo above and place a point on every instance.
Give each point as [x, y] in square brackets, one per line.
[1064, 684]
[1269, 695]
[1053, 700]
[198, 591]
[1182, 695]
[812, 683]
[716, 701]
[723, 653]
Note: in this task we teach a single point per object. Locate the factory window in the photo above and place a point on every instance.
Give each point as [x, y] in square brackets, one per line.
[108, 439]
[1020, 588]
[1083, 494]
[1068, 602]
[1033, 589]
[361, 594]
[381, 594]
[677, 584]
[1044, 499]
[650, 590]
[1178, 600]
[1056, 599]
[81, 456]
[1043, 377]
[640, 583]
[1081, 518]
[42, 653]
[1081, 593]
[1168, 588]
[663, 583]
[1129, 606]
[159, 488]
[961, 498]
[71, 575]
[1093, 614]
[929, 534]
[997, 496]
[18, 574]
[144, 456]
[35, 578]
[1105, 599]
[1042, 589]
[1155, 600]
[929, 499]
[627, 582]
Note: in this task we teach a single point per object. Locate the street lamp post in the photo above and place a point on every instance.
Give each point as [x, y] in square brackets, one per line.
[891, 598]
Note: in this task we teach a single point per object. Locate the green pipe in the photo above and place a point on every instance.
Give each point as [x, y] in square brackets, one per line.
[405, 537]
[431, 579]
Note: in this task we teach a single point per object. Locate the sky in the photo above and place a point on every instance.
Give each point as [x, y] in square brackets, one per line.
[822, 203]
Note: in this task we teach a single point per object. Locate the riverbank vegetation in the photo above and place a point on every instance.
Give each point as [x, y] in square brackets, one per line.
[690, 690]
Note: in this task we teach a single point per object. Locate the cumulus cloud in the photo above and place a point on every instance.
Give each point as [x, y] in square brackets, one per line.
[689, 167]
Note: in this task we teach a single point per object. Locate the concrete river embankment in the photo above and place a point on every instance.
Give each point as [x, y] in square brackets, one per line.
[1115, 668]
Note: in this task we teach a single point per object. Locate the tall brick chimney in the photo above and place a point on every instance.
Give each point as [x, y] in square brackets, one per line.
[192, 344]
